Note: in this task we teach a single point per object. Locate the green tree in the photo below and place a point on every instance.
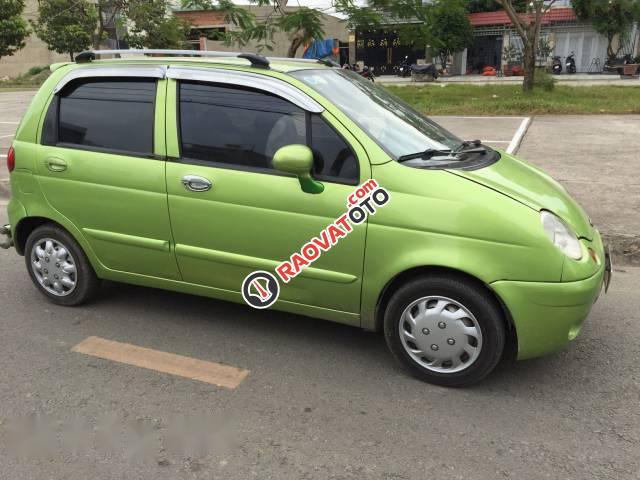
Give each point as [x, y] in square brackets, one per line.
[440, 26]
[110, 12]
[301, 24]
[475, 6]
[610, 18]
[527, 21]
[450, 29]
[66, 26]
[13, 29]
[152, 26]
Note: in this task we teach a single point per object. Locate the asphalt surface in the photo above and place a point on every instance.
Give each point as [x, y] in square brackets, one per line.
[321, 400]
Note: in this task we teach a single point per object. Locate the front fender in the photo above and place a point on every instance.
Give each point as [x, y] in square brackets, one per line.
[436, 219]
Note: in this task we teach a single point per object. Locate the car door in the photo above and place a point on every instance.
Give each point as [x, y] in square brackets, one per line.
[247, 216]
[101, 164]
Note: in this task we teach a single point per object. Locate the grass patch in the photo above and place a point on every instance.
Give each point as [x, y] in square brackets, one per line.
[509, 100]
[32, 79]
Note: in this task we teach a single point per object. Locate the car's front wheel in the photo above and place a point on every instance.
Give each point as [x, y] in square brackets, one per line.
[445, 329]
[58, 266]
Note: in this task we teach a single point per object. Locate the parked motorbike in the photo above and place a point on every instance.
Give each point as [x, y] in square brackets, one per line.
[404, 68]
[557, 65]
[571, 63]
[367, 72]
[424, 70]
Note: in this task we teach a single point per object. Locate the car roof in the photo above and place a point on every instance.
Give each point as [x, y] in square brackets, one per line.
[207, 59]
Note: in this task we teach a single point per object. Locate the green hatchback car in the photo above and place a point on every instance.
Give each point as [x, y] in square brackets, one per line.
[189, 173]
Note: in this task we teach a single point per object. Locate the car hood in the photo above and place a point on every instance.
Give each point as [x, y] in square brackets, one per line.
[532, 187]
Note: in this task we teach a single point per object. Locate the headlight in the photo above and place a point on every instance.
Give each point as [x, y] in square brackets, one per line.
[560, 235]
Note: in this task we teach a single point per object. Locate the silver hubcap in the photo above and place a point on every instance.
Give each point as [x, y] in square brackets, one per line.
[440, 334]
[54, 267]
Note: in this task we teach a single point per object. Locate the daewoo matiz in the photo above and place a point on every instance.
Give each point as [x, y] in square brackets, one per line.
[189, 173]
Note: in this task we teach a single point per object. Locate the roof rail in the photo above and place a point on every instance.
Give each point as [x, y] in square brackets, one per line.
[255, 59]
[323, 61]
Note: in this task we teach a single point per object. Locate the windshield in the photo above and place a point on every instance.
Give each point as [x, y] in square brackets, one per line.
[395, 126]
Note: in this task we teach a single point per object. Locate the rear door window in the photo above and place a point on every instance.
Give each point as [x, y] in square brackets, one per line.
[106, 115]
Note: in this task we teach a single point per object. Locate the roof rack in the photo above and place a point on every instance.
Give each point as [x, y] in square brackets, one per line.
[256, 60]
[323, 61]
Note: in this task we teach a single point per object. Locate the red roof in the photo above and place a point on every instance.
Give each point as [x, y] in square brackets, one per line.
[501, 18]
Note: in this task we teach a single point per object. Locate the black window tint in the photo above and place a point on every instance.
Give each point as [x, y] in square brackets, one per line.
[109, 114]
[242, 127]
[50, 127]
[333, 158]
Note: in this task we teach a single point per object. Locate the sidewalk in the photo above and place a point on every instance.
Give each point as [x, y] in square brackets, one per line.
[577, 80]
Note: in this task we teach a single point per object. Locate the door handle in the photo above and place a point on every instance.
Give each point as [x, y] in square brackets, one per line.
[194, 183]
[56, 164]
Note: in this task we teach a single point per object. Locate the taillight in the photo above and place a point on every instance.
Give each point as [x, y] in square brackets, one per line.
[11, 159]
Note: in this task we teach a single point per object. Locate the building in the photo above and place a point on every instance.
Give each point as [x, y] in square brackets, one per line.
[209, 27]
[561, 30]
[493, 34]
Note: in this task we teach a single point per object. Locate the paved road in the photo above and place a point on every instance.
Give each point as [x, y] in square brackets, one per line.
[321, 401]
[12, 107]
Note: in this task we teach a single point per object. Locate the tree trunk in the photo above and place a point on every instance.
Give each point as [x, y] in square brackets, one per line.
[610, 54]
[296, 41]
[529, 60]
[71, 56]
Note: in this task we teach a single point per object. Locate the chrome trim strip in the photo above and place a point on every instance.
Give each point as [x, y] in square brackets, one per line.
[155, 71]
[160, 51]
[264, 83]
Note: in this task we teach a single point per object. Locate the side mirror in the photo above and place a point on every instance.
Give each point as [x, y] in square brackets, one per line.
[298, 160]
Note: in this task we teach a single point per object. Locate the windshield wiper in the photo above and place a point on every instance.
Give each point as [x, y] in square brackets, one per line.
[464, 147]
[432, 152]
[426, 155]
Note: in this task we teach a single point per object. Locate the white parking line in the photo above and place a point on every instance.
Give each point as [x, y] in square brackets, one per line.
[6, 136]
[3, 156]
[517, 138]
[9, 123]
[479, 118]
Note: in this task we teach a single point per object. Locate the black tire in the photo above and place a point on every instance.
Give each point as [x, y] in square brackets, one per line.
[86, 281]
[480, 303]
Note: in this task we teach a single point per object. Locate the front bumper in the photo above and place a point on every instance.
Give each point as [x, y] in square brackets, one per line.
[548, 315]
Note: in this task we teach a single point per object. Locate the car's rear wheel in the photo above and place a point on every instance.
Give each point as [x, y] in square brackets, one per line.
[445, 329]
[58, 266]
